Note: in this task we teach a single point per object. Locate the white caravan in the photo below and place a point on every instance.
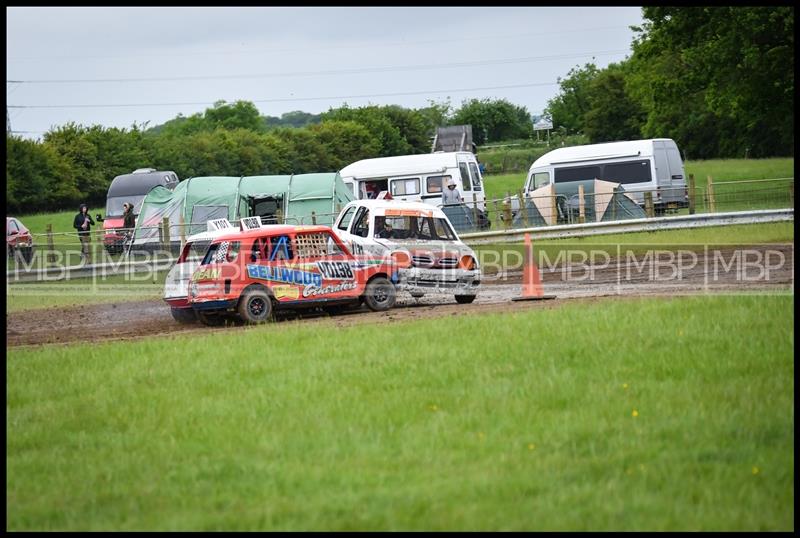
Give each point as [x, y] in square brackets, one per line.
[653, 165]
[417, 178]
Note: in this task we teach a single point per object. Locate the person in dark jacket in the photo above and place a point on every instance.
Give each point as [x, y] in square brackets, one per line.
[83, 223]
[128, 220]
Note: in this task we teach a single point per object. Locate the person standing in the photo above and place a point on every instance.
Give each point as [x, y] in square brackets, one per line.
[83, 223]
[451, 194]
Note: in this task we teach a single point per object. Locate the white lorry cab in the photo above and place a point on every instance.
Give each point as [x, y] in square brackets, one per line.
[421, 242]
[653, 165]
[419, 177]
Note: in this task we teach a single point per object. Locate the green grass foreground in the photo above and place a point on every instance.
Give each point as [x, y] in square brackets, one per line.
[644, 414]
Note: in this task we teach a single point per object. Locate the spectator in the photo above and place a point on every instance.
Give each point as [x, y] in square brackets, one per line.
[83, 223]
[451, 195]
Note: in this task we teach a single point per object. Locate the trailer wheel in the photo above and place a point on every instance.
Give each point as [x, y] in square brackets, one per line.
[465, 299]
[380, 294]
[183, 315]
[255, 306]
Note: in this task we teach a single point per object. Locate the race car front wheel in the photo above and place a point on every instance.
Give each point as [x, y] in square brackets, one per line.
[380, 294]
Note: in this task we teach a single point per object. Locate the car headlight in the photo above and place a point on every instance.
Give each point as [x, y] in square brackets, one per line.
[193, 289]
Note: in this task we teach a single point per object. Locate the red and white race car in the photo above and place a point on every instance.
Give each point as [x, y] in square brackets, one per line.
[252, 272]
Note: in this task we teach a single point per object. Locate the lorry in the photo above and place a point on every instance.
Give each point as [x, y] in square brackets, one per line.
[640, 166]
[131, 188]
[419, 238]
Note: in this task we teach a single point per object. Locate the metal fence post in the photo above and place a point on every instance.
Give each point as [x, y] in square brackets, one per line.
[691, 194]
[712, 202]
[475, 220]
[314, 217]
[279, 215]
[165, 233]
[648, 204]
[581, 205]
[523, 207]
[51, 249]
[496, 209]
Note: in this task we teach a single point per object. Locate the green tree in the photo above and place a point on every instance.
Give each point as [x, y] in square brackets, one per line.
[494, 120]
[568, 109]
[720, 80]
[612, 114]
[344, 142]
[379, 122]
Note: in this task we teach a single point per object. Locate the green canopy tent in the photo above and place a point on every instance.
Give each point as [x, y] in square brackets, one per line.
[287, 199]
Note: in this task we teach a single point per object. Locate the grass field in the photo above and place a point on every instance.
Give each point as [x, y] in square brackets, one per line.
[615, 415]
[31, 295]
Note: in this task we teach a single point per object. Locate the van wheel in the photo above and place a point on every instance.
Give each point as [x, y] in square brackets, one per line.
[255, 306]
[183, 315]
[465, 299]
[380, 294]
[211, 320]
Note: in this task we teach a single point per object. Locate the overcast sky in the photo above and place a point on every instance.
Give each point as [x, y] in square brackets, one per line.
[285, 59]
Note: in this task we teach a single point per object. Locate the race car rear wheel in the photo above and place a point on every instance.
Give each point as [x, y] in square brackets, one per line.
[255, 306]
[212, 320]
[380, 294]
[183, 315]
[465, 299]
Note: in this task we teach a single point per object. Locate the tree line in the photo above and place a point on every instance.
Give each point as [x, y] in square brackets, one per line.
[718, 80]
[74, 163]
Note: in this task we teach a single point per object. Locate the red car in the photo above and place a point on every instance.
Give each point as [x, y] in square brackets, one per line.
[252, 272]
[18, 239]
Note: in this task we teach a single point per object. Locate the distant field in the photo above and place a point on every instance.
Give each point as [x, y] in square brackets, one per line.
[614, 415]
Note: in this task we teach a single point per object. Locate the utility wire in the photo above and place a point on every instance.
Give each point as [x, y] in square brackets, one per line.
[330, 72]
[291, 99]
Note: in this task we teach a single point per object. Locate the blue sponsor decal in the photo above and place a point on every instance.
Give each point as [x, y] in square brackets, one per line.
[284, 274]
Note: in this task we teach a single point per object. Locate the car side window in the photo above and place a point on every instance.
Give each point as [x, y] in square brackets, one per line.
[361, 227]
[257, 252]
[12, 226]
[344, 222]
[280, 248]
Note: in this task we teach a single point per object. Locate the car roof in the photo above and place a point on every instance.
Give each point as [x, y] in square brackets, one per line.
[398, 204]
[270, 229]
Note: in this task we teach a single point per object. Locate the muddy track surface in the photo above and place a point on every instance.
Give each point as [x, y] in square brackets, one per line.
[725, 272]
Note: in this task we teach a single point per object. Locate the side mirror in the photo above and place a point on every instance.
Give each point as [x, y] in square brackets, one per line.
[99, 217]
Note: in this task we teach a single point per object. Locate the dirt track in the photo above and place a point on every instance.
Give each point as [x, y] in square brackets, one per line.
[577, 282]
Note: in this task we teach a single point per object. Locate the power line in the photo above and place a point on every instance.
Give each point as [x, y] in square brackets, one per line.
[293, 99]
[360, 70]
[471, 38]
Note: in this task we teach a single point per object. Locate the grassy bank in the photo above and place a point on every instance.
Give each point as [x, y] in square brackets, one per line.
[618, 415]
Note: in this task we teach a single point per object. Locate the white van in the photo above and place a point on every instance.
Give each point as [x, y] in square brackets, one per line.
[639, 165]
[417, 178]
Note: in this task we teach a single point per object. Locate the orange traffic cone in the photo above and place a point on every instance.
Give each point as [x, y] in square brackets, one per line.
[531, 279]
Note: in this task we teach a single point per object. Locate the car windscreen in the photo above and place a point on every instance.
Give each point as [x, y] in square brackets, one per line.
[414, 228]
[114, 205]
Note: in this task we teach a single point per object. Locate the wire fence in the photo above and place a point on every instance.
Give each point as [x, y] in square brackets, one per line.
[514, 211]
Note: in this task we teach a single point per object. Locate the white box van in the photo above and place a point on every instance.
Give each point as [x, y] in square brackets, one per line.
[639, 165]
[417, 178]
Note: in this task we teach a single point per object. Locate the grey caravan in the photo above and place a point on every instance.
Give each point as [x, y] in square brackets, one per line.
[653, 165]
